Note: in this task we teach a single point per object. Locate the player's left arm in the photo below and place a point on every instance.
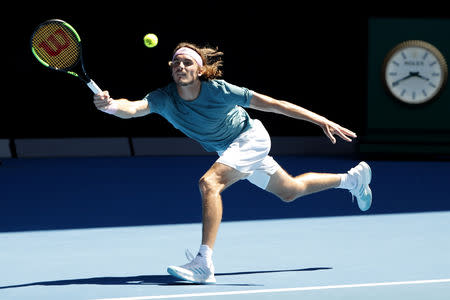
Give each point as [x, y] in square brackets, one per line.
[268, 104]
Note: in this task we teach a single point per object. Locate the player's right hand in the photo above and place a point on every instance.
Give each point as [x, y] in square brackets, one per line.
[102, 100]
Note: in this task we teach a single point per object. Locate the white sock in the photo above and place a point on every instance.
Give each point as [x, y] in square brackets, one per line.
[348, 182]
[205, 252]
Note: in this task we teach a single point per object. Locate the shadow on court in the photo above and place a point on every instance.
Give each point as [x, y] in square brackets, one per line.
[150, 279]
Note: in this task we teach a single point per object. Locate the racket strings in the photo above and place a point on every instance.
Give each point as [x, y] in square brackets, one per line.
[56, 45]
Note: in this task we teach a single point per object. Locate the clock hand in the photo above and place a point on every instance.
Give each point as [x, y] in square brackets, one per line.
[395, 83]
[417, 74]
[422, 77]
[411, 74]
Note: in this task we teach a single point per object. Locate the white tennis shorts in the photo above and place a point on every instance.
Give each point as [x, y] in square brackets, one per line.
[248, 154]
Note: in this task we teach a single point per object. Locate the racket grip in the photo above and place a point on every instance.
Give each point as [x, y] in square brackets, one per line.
[94, 87]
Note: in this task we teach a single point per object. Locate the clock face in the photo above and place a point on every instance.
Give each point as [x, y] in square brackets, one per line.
[414, 73]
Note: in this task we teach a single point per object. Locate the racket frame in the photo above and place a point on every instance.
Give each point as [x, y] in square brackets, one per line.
[83, 76]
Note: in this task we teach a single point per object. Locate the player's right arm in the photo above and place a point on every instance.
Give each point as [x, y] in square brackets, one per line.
[122, 108]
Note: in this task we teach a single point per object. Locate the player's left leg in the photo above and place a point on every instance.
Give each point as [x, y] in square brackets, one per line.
[289, 188]
[356, 180]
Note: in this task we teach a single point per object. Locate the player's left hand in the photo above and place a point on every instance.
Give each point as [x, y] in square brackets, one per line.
[331, 129]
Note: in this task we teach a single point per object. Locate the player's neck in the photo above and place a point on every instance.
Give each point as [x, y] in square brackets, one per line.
[191, 91]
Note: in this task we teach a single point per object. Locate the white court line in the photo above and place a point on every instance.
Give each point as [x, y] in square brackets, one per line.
[297, 289]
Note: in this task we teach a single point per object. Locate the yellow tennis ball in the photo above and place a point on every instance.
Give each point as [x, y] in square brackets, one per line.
[150, 40]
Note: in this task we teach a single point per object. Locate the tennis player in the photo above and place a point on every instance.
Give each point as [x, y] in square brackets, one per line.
[211, 111]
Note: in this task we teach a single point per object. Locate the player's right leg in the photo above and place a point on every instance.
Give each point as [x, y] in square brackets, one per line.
[200, 269]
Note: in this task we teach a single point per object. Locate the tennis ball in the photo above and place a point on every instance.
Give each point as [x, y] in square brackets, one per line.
[150, 40]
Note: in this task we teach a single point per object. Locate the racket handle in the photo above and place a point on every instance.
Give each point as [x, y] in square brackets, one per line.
[94, 87]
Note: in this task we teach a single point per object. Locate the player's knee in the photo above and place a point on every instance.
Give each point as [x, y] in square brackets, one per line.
[292, 192]
[287, 197]
[207, 184]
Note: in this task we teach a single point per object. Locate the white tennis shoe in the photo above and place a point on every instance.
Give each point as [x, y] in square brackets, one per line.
[362, 191]
[198, 270]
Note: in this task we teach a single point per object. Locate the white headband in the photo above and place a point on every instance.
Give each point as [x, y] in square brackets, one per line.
[192, 53]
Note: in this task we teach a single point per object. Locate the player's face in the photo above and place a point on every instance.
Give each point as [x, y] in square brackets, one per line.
[185, 70]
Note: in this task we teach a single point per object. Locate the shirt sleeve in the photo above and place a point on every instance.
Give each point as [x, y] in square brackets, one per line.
[238, 95]
[157, 100]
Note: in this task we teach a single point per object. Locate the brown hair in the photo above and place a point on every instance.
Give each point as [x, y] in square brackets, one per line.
[211, 57]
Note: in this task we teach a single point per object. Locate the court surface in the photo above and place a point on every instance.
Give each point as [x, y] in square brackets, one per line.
[355, 256]
[313, 258]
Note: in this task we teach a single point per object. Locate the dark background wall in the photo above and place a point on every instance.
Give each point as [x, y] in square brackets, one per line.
[60, 193]
[392, 126]
[313, 57]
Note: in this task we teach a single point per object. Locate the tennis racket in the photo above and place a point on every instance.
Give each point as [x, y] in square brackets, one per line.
[57, 45]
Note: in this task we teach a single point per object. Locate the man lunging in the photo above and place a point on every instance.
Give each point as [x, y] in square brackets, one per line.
[211, 111]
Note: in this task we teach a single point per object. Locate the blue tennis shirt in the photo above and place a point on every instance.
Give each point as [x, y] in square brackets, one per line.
[214, 119]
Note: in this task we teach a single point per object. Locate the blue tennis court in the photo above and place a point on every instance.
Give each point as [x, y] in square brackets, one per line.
[289, 259]
[107, 228]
